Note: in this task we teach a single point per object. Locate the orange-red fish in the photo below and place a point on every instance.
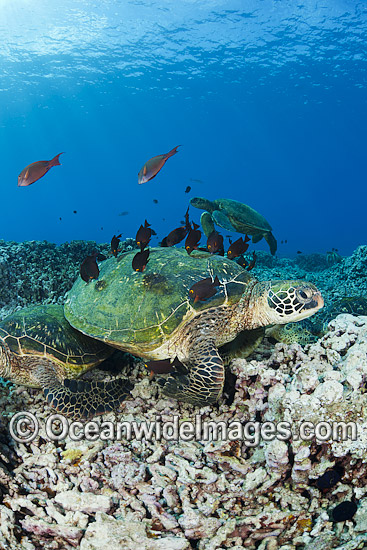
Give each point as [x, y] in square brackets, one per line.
[153, 165]
[202, 290]
[36, 170]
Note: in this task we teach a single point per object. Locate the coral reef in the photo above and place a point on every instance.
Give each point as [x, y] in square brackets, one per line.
[207, 492]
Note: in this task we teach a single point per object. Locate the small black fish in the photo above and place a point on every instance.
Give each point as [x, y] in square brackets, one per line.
[281, 242]
[344, 511]
[155, 201]
[285, 242]
[75, 212]
[193, 238]
[124, 213]
[188, 189]
[140, 260]
[176, 236]
[242, 262]
[162, 366]
[328, 479]
[60, 219]
[202, 290]
[237, 248]
[101, 228]
[299, 252]
[143, 235]
[215, 242]
[89, 269]
[165, 366]
[115, 244]
[251, 265]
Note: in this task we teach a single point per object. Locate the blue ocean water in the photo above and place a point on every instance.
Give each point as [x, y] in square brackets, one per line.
[267, 98]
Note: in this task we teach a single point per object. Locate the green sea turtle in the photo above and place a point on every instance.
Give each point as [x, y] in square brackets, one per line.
[150, 314]
[38, 348]
[234, 216]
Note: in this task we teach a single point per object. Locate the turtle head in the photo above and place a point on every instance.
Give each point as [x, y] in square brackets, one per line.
[203, 204]
[290, 301]
[281, 302]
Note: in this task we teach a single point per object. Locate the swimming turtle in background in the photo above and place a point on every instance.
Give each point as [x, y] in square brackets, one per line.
[38, 348]
[151, 315]
[310, 330]
[234, 216]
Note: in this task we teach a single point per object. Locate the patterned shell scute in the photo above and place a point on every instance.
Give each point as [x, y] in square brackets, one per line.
[131, 308]
[44, 331]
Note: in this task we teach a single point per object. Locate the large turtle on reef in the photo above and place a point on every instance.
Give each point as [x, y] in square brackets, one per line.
[234, 216]
[38, 348]
[150, 315]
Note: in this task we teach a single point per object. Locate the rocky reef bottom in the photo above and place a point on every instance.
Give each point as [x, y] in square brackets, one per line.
[247, 473]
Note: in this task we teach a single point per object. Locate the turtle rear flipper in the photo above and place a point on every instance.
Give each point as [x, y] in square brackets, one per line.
[271, 240]
[222, 220]
[204, 383]
[79, 398]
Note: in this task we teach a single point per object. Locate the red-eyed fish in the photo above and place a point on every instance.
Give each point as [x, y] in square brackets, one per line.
[36, 170]
[153, 165]
[202, 290]
[115, 241]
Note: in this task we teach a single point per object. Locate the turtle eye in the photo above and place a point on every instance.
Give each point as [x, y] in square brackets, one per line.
[304, 294]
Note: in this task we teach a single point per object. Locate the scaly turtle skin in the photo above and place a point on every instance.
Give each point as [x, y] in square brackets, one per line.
[234, 216]
[310, 330]
[38, 348]
[150, 315]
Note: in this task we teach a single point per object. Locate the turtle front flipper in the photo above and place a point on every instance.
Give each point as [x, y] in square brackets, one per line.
[80, 398]
[204, 383]
[207, 223]
[222, 220]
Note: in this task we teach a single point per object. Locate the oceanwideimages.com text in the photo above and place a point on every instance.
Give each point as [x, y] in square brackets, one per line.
[25, 427]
